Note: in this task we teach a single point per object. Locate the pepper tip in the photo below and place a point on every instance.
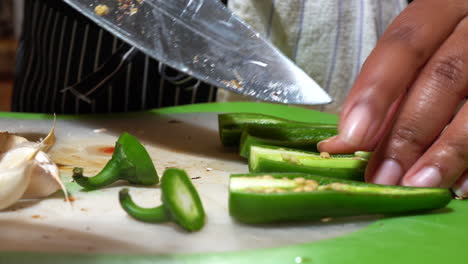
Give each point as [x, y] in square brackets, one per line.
[77, 172]
[123, 194]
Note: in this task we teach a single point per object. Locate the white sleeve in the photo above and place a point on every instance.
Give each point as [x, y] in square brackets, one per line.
[328, 39]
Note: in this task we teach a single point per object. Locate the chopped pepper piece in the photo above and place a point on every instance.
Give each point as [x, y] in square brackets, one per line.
[130, 162]
[181, 203]
[297, 137]
[278, 159]
[232, 124]
[283, 197]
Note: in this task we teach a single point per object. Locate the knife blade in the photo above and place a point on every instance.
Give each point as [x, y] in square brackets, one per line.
[204, 39]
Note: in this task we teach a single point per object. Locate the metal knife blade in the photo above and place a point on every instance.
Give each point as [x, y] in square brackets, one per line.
[204, 39]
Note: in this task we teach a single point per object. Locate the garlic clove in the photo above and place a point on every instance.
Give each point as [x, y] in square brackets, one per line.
[45, 179]
[13, 183]
[17, 157]
[15, 174]
[46, 175]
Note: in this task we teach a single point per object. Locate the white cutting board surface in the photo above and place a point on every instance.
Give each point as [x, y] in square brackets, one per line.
[96, 223]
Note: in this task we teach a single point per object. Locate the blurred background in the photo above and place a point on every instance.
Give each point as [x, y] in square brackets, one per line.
[10, 25]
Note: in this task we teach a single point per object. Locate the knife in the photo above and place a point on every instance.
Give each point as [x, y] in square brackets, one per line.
[204, 39]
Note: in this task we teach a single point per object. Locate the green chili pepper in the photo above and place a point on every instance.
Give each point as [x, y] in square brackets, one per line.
[299, 137]
[181, 203]
[130, 162]
[232, 124]
[283, 197]
[278, 159]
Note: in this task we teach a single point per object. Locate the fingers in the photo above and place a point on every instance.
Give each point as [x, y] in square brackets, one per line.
[431, 103]
[392, 67]
[337, 145]
[446, 160]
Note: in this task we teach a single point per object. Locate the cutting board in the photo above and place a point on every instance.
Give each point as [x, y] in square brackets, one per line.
[96, 230]
[96, 223]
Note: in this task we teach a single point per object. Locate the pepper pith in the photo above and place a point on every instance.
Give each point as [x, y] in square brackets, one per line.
[278, 159]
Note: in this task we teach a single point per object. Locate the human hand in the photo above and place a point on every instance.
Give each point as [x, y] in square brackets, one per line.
[404, 103]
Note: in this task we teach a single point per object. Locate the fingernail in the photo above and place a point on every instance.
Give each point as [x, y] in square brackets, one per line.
[356, 125]
[325, 141]
[426, 177]
[461, 187]
[389, 173]
[461, 191]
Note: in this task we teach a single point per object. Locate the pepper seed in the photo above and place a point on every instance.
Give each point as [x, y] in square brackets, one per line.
[300, 180]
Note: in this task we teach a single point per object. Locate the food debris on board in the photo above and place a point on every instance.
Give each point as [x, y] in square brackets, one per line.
[173, 121]
[100, 130]
[37, 217]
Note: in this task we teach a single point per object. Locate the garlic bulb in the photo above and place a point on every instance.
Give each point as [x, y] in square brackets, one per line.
[26, 171]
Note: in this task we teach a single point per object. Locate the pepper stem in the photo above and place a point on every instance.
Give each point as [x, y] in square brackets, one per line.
[152, 215]
[112, 172]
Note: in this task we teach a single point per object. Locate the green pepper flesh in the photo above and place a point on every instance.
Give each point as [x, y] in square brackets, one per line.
[145, 172]
[181, 202]
[130, 161]
[231, 125]
[255, 199]
[298, 137]
[150, 215]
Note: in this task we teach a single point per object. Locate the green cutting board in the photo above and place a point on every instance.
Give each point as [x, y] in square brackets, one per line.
[436, 237]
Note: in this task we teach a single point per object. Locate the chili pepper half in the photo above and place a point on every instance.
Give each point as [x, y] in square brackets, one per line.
[130, 162]
[283, 197]
[232, 124]
[297, 137]
[278, 159]
[181, 203]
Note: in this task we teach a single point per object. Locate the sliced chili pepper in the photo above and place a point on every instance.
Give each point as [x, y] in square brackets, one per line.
[181, 203]
[278, 159]
[232, 124]
[298, 137]
[282, 197]
[130, 162]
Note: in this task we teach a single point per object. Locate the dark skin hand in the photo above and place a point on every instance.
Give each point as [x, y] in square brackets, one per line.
[407, 105]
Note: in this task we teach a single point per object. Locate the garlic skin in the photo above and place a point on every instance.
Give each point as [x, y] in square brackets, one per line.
[9, 141]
